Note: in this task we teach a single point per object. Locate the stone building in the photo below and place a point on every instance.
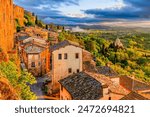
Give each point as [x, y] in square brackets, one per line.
[35, 55]
[38, 32]
[53, 37]
[66, 59]
[19, 15]
[6, 25]
[80, 86]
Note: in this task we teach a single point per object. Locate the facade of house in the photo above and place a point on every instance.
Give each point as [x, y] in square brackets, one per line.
[80, 86]
[66, 59]
[6, 25]
[19, 15]
[35, 55]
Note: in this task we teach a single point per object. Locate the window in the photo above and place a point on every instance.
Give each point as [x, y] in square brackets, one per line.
[65, 56]
[77, 55]
[78, 70]
[39, 63]
[69, 70]
[59, 56]
[33, 64]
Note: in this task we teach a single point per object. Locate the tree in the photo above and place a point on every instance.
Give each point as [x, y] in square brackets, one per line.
[28, 21]
[19, 80]
[91, 46]
[132, 44]
[24, 81]
[36, 19]
[53, 27]
[46, 27]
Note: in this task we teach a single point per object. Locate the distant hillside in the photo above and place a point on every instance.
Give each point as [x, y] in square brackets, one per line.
[102, 27]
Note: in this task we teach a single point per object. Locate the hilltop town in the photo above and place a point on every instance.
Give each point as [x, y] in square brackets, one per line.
[38, 62]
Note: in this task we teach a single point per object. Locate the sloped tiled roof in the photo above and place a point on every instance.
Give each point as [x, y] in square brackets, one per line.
[63, 44]
[114, 88]
[81, 86]
[107, 71]
[23, 37]
[34, 49]
[134, 96]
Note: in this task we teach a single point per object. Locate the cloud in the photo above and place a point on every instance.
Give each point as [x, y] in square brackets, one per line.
[47, 9]
[144, 4]
[52, 3]
[134, 9]
[124, 11]
[114, 13]
[61, 19]
[44, 7]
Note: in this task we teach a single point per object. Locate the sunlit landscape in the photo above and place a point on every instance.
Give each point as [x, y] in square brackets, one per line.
[74, 50]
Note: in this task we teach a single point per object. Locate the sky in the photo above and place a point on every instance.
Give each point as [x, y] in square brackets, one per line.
[126, 13]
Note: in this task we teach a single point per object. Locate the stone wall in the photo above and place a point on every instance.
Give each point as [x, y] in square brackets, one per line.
[133, 84]
[87, 56]
[88, 63]
[6, 25]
